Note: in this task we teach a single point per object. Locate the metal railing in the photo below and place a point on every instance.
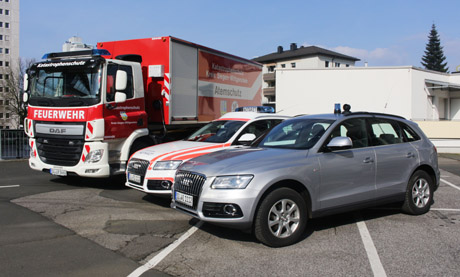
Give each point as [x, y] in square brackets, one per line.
[14, 144]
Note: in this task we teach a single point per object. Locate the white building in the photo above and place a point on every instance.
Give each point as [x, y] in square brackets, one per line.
[432, 99]
[303, 58]
[9, 56]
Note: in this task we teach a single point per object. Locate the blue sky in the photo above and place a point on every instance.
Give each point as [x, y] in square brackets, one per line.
[383, 33]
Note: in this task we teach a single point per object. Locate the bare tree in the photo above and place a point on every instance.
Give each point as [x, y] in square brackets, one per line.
[13, 78]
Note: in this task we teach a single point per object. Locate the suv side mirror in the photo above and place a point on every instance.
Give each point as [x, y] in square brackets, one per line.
[340, 143]
[122, 80]
[246, 139]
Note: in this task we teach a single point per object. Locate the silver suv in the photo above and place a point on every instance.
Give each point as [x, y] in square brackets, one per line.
[307, 167]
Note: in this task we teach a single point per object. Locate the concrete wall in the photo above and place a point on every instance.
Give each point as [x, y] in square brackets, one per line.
[365, 89]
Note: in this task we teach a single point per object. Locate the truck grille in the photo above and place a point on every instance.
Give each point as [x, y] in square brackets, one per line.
[138, 167]
[60, 151]
[189, 183]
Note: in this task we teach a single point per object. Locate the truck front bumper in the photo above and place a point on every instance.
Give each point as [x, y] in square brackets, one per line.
[97, 169]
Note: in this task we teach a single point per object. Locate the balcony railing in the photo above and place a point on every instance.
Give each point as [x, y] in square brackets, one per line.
[269, 76]
[270, 91]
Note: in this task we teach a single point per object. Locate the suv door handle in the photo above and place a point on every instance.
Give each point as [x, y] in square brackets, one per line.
[410, 155]
[368, 160]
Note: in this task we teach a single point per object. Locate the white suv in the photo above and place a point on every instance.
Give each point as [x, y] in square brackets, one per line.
[152, 169]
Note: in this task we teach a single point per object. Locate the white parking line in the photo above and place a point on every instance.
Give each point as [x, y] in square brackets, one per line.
[165, 252]
[445, 210]
[12, 186]
[450, 184]
[372, 255]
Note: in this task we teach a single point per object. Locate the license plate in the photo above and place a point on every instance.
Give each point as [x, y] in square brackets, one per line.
[134, 178]
[58, 172]
[184, 198]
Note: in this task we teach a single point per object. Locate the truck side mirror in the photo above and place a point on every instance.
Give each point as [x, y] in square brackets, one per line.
[122, 80]
[26, 82]
[120, 97]
[25, 97]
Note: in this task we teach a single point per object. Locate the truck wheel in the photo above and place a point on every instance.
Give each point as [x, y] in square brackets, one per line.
[281, 218]
[138, 145]
[419, 194]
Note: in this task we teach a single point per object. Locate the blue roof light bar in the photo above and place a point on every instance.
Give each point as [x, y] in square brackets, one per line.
[92, 53]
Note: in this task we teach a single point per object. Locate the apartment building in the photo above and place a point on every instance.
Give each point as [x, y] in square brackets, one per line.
[311, 57]
[9, 56]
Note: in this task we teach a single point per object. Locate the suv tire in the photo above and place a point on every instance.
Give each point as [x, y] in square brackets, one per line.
[419, 194]
[281, 218]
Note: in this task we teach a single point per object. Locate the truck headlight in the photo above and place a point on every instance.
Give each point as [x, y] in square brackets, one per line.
[231, 182]
[94, 156]
[166, 165]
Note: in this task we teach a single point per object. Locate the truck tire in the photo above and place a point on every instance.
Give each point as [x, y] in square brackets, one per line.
[419, 194]
[281, 218]
[138, 145]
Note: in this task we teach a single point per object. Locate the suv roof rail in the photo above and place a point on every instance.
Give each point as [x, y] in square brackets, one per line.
[371, 113]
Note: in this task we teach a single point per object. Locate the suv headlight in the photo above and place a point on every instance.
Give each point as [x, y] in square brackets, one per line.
[94, 156]
[166, 165]
[231, 182]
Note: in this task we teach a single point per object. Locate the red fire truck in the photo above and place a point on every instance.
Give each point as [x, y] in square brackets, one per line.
[88, 111]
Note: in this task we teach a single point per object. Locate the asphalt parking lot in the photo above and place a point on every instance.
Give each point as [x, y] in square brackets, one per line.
[81, 227]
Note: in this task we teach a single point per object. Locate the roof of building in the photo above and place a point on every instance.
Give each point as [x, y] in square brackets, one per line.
[301, 52]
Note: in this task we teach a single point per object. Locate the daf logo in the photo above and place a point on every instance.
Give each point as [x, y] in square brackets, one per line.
[57, 130]
[187, 182]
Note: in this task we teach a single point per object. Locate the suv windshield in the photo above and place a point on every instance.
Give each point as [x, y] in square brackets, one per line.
[217, 131]
[296, 133]
[65, 83]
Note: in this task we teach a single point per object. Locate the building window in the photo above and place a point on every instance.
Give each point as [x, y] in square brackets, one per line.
[326, 64]
[1, 102]
[293, 65]
[271, 68]
[7, 115]
[7, 50]
[7, 76]
[337, 64]
[1, 63]
[7, 89]
[1, 37]
[1, 11]
[283, 66]
[7, 63]
[7, 12]
[1, 24]
[7, 37]
[1, 115]
[7, 102]
[7, 25]
[347, 65]
[1, 89]
[1, 76]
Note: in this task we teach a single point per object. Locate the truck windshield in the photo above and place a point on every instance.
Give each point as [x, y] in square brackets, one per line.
[296, 133]
[65, 83]
[217, 131]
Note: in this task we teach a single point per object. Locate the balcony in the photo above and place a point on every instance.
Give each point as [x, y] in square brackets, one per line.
[269, 76]
[270, 91]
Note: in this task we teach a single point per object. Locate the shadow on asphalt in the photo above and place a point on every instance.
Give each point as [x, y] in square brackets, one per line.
[112, 183]
[161, 200]
[313, 225]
